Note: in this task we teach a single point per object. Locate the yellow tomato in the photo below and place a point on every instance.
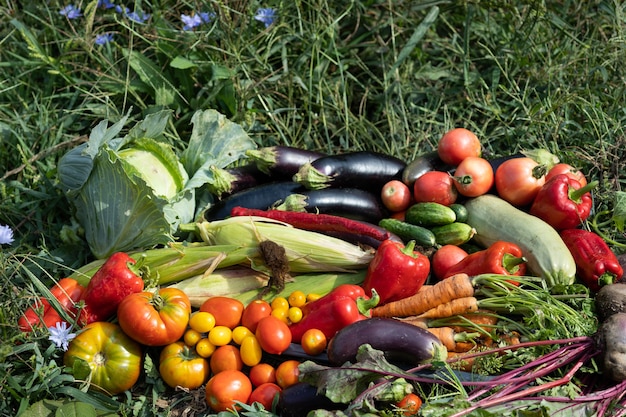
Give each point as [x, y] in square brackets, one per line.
[220, 335]
[191, 337]
[294, 314]
[251, 351]
[297, 298]
[202, 321]
[205, 348]
[240, 332]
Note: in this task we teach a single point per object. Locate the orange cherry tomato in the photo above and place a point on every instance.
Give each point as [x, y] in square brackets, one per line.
[410, 404]
[262, 373]
[287, 373]
[457, 144]
[313, 342]
[226, 387]
[225, 358]
[473, 176]
[227, 311]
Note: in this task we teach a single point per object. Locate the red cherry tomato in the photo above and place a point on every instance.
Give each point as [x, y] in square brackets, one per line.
[265, 394]
[457, 144]
[445, 257]
[254, 312]
[227, 311]
[473, 176]
[410, 404]
[567, 169]
[435, 186]
[518, 180]
[273, 335]
[396, 196]
[226, 387]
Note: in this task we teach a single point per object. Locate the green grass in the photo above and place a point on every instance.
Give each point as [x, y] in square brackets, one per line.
[335, 76]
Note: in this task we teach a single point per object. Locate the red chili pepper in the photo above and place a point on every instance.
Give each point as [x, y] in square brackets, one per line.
[351, 291]
[563, 203]
[504, 258]
[396, 272]
[596, 263]
[118, 277]
[332, 315]
[42, 314]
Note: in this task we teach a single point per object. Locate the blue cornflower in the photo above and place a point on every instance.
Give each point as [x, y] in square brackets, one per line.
[266, 16]
[139, 17]
[105, 4]
[6, 235]
[104, 38]
[207, 17]
[71, 12]
[60, 335]
[121, 9]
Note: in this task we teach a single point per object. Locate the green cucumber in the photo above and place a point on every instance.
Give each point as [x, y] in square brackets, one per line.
[456, 233]
[429, 214]
[406, 231]
[460, 211]
[547, 255]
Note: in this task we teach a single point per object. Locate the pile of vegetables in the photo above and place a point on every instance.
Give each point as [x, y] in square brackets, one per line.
[349, 283]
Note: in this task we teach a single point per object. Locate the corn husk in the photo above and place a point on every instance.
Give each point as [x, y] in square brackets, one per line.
[177, 262]
[306, 251]
[246, 284]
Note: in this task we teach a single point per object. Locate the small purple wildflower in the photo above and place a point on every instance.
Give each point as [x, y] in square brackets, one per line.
[104, 38]
[6, 235]
[139, 17]
[71, 12]
[61, 335]
[266, 16]
[194, 20]
[105, 4]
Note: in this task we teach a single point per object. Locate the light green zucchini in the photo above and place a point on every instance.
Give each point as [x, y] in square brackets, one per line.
[495, 219]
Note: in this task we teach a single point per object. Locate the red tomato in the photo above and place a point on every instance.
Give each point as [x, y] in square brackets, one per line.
[518, 180]
[457, 144]
[273, 335]
[563, 168]
[227, 311]
[225, 388]
[435, 186]
[155, 319]
[410, 404]
[444, 258]
[396, 196]
[265, 394]
[473, 176]
[225, 358]
[255, 311]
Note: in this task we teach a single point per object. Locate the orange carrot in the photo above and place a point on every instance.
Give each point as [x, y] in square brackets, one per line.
[456, 286]
[452, 308]
[453, 341]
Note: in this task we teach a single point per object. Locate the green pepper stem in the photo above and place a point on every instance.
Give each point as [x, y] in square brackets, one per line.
[365, 305]
[510, 262]
[575, 195]
[409, 249]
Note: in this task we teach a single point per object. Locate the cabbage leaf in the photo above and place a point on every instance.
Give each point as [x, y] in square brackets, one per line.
[132, 192]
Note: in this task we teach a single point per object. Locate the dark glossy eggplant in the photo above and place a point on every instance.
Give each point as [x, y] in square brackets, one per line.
[281, 161]
[299, 399]
[427, 162]
[401, 342]
[260, 197]
[352, 203]
[496, 162]
[363, 169]
[233, 180]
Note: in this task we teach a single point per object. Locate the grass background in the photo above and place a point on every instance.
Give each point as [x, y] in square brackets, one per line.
[389, 76]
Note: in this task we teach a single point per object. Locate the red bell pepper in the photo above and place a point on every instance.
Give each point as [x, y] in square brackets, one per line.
[333, 312]
[563, 203]
[396, 272]
[351, 291]
[596, 263]
[43, 314]
[118, 277]
[504, 258]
